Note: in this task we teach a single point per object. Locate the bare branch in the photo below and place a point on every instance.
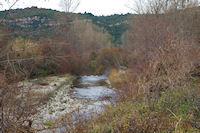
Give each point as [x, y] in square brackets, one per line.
[160, 6]
[69, 5]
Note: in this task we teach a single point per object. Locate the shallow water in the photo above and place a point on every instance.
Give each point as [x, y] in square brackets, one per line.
[93, 88]
[92, 91]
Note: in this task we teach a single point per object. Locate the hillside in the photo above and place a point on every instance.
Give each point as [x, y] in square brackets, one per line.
[31, 20]
[116, 24]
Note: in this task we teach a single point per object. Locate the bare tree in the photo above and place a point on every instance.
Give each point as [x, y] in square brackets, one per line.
[160, 6]
[69, 5]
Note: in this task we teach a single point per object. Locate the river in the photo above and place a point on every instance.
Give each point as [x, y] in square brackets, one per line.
[93, 91]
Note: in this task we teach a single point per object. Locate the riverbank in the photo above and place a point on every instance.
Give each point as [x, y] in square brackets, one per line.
[176, 110]
[52, 95]
[59, 105]
[65, 96]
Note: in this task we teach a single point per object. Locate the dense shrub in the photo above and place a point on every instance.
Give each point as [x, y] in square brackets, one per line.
[111, 58]
[43, 68]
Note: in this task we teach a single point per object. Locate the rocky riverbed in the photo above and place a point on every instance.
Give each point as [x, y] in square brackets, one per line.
[87, 94]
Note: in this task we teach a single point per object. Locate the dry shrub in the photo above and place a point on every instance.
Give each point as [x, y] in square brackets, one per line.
[74, 63]
[116, 77]
[161, 66]
[16, 109]
[127, 87]
[111, 58]
[157, 58]
[167, 67]
[148, 122]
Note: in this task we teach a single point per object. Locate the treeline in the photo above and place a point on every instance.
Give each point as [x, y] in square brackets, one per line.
[28, 12]
[73, 48]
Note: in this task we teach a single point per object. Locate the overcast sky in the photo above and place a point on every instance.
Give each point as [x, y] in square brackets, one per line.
[97, 7]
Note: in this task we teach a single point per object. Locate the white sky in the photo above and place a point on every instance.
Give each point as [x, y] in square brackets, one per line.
[97, 7]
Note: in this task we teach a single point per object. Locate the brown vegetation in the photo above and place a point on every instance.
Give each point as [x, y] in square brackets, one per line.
[159, 84]
[73, 52]
[159, 91]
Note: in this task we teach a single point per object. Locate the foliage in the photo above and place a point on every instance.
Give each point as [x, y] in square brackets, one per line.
[117, 78]
[28, 12]
[43, 68]
[16, 108]
[111, 57]
[24, 48]
[47, 124]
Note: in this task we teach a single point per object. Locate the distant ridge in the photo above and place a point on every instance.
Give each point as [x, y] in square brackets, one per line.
[34, 18]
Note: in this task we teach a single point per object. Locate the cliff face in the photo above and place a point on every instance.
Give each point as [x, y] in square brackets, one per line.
[34, 21]
[28, 18]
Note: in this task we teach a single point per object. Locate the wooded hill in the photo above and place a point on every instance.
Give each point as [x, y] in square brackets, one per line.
[31, 20]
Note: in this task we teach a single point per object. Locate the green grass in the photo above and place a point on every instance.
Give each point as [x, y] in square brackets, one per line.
[47, 124]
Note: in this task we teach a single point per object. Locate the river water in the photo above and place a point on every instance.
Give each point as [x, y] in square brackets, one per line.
[93, 91]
